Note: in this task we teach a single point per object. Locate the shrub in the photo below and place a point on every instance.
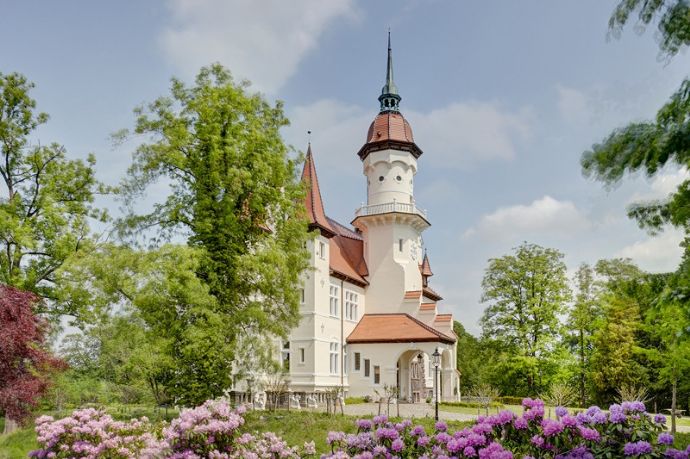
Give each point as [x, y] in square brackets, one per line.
[91, 433]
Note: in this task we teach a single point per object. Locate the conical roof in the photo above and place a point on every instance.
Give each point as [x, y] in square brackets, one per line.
[313, 201]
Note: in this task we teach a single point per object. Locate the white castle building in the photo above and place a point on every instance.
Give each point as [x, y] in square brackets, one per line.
[368, 316]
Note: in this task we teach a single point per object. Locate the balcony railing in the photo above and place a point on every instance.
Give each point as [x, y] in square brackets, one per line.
[390, 207]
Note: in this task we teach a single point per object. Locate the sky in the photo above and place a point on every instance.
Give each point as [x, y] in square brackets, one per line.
[503, 98]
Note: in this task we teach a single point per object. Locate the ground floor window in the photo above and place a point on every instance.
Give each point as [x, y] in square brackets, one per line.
[367, 371]
[357, 361]
[286, 355]
[334, 358]
[345, 365]
[377, 374]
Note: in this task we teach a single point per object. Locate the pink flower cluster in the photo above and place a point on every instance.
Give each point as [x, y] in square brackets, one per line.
[91, 433]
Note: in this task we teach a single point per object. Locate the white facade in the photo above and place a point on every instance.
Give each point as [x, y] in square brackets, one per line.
[368, 316]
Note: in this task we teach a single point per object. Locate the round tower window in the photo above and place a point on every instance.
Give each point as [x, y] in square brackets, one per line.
[398, 178]
[380, 178]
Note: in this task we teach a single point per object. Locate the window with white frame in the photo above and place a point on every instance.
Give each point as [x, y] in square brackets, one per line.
[322, 250]
[345, 365]
[334, 300]
[334, 358]
[351, 305]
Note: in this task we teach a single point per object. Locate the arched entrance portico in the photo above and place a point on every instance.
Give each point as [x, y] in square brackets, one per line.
[414, 380]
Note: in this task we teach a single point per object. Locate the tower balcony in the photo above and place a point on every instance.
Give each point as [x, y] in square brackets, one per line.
[390, 207]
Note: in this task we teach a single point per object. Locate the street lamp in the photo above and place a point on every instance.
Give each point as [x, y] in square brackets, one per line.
[436, 361]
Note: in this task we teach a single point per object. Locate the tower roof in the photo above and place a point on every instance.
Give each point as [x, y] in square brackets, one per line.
[313, 201]
[389, 98]
[425, 268]
[390, 129]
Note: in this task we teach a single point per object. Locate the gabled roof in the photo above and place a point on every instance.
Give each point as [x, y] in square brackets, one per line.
[313, 201]
[395, 328]
[347, 254]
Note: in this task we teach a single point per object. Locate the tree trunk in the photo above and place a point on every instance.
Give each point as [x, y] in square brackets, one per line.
[673, 406]
[10, 426]
[583, 402]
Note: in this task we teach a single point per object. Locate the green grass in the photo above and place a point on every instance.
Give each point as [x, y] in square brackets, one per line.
[18, 444]
[297, 427]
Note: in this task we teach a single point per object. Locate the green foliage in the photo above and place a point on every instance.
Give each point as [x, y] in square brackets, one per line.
[526, 291]
[470, 359]
[235, 194]
[45, 206]
[672, 17]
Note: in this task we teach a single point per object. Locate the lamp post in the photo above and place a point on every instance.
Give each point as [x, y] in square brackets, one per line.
[436, 360]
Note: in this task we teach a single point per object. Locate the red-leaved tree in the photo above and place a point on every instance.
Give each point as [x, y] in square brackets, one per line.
[25, 363]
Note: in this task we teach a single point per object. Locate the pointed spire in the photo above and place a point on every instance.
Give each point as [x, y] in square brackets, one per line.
[425, 269]
[313, 202]
[389, 98]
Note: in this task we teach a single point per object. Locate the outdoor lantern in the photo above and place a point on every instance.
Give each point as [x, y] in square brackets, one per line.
[436, 358]
[436, 361]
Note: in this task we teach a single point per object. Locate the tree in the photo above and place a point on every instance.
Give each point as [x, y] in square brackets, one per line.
[581, 325]
[235, 194]
[45, 205]
[25, 364]
[526, 292]
[650, 145]
[470, 359]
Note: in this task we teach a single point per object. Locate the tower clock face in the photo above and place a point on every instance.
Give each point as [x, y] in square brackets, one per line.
[415, 245]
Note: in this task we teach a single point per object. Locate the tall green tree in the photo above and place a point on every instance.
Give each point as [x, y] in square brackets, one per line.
[235, 194]
[526, 293]
[581, 325]
[470, 359]
[46, 202]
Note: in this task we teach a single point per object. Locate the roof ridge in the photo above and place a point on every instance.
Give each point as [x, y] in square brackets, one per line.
[431, 329]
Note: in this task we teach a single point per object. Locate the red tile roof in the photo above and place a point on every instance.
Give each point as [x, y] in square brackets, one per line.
[425, 267]
[313, 201]
[411, 294]
[395, 328]
[347, 254]
[389, 130]
[390, 126]
[444, 317]
[427, 307]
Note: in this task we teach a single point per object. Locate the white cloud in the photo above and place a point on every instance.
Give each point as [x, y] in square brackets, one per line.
[663, 184]
[660, 253]
[262, 41]
[545, 216]
[465, 133]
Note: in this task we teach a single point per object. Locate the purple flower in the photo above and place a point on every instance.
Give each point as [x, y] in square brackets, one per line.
[363, 424]
[665, 438]
[561, 411]
[397, 445]
[590, 434]
[637, 448]
[520, 423]
[617, 417]
[469, 451]
[441, 426]
[551, 427]
[660, 419]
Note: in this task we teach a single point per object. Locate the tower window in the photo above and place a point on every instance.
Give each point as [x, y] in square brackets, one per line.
[380, 178]
[400, 245]
[398, 178]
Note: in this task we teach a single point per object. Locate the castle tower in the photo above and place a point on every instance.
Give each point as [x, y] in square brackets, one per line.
[391, 222]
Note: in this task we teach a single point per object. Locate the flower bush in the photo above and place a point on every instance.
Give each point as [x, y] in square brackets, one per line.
[91, 433]
[214, 430]
[625, 431]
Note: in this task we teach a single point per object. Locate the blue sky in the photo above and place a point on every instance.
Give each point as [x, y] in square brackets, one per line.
[503, 98]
